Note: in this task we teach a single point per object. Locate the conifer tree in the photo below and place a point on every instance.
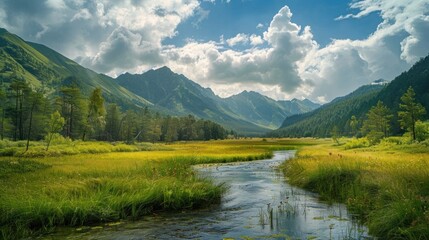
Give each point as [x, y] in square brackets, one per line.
[411, 112]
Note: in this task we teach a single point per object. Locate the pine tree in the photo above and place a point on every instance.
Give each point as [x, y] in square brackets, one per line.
[36, 99]
[113, 122]
[95, 120]
[18, 86]
[377, 125]
[411, 112]
[353, 124]
[73, 109]
[3, 102]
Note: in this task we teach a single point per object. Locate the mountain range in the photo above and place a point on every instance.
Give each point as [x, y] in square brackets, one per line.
[161, 90]
[248, 112]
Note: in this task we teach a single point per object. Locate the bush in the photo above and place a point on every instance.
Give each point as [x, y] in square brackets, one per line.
[422, 131]
[374, 137]
[357, 143]
[59, 139]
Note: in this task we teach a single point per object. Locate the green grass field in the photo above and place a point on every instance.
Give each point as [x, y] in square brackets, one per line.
[386, 185]
[84, 183]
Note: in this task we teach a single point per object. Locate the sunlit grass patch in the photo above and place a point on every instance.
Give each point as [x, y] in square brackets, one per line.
[105, 182]
[386, 184]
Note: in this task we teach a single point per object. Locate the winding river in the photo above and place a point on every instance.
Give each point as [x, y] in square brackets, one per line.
[259, 204]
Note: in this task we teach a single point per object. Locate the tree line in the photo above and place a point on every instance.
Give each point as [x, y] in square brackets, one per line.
[378, 122]
[28, 114]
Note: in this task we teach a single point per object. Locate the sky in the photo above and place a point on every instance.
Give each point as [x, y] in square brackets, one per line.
[281, 48]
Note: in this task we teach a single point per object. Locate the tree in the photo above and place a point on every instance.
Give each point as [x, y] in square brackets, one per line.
[18, 86]
[155, 128]
[412, 111]
[113, 122]
[95, 120]
[129, 129]
[36, 99]
[187, 130]
[335, 134]
[73, 109]
[56, 123]
[169, 129]
[377, 124]
[3, 101]
[353, 124]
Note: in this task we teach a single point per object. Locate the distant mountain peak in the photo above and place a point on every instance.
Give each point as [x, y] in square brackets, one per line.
[164, 69]
[380, 82]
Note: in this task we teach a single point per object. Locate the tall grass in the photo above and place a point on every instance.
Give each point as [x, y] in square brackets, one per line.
[83, 189]
[68, 147]
[386, 185]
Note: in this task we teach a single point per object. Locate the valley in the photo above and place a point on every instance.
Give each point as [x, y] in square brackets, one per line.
[214, 119]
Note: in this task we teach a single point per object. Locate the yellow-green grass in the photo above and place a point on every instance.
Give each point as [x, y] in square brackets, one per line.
[386, 185]
[39, 193]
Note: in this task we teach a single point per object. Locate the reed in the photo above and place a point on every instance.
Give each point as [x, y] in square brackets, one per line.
[386, 185]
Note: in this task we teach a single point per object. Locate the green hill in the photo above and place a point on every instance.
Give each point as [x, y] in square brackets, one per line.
[320, 122]
[40, 65]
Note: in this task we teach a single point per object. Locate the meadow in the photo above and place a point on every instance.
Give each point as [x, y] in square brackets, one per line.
[85, 183]
[386, 186]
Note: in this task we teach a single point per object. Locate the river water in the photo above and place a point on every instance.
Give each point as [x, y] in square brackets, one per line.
[259, 204]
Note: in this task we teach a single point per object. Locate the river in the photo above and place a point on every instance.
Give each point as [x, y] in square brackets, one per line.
[259, 204]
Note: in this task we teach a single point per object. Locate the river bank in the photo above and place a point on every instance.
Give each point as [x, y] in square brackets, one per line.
[386, 185]
[39, 194]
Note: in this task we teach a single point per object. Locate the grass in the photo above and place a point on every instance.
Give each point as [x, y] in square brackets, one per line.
[68, 147]
[386, 185]
[75, 187]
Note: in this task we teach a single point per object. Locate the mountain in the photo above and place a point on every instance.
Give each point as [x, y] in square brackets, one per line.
[319, 123]
[264, 110]
[248, 112]
[182, 96]
[161, 90]
[40, 65]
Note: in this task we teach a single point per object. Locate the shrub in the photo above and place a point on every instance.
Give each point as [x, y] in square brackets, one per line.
[357, 143]
[422, 131]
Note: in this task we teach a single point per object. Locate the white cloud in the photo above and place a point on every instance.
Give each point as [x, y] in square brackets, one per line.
[89, 30]
[274, 67]
[82, 14]
[240, 38]
[416, 45]
[344, 65]
[283, 62]
[256, 40]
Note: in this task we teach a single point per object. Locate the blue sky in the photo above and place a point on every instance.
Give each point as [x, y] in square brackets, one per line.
[281, 48]
[243, 16]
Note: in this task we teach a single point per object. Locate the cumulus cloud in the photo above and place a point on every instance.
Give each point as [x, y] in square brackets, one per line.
[122, 45]
[283, 62]
[240, 38]
[256, 40]
[90, 31]
[344, 65]
[274, 66]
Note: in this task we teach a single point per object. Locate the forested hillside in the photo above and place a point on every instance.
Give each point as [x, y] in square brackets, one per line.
[320, 122]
